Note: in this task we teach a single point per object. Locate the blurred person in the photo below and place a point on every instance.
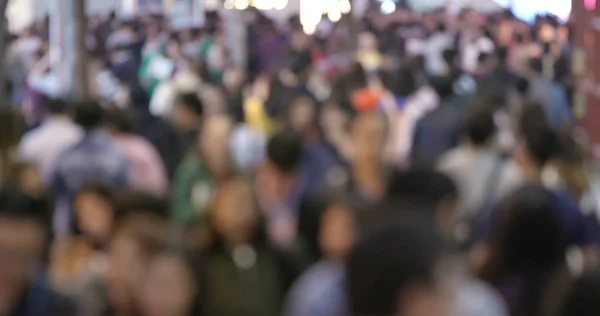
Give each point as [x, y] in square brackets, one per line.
[520, 54]
[136, 240]
[364, 96]
[439, 130]
[474, 165]
[406, 281]
[551, 95]
[146, 170]
[320, 290]
[183, 79]
[277, 186]
[217, 57]
[160, 133]
[368, 135]
[254, 107]
[409, 104]
[435, 46]
[10, 134]
[477, 44]
[245, 274]
[23, 234]
[78, 260]
[174, 286]
[196, 177]
[158, 65]
[187, 117]
[431, 193]
[536, 145]
[581, 296]
[527, 250]
[93, 212]
[28, 178]
[94, 158]
[318, 158]
[232, 86]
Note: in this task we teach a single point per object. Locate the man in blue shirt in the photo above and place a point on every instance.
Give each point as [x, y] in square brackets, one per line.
[93, 159]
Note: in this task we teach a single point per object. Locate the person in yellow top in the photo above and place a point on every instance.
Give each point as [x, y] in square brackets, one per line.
[255, 113]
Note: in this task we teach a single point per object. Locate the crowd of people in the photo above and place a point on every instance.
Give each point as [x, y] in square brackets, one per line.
[405, 164]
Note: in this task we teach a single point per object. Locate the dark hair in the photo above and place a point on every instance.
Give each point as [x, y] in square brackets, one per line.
[383, 263]
[480, 127]
[425, 185]
[400, 82]
[284, 150]
[130, 202]
[483, 57]
[450, 56]
[443, 86]
[192, 102]
[441, 28]
[357, 78]
[88, 115]
[536, 65]
[55, 106]
[120, 119]
[14, 203]
[582, 299]
[541, 144]
[528, 243]
[502, 54]
[532, 117]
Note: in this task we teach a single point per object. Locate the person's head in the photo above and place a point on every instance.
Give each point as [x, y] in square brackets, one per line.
[450, 57]
[368, 134]
[23, 236]
[429, 188]
[479, 128]
[527, 241]
[172, 286]
[188, 112]
[536, 66]
[443, 86]
[233, 78]
[173, 47]
[441, 28]
[93, 213]
[337, 231]
[582, 296]
[395, 271]
[572, 165]
[537, 146]
[234, 216]
[28, 178]
[88, 115]
[213, 144]
[55, 106]
[302, 115]
[119, 121]
[283, 159]
[136, 239]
